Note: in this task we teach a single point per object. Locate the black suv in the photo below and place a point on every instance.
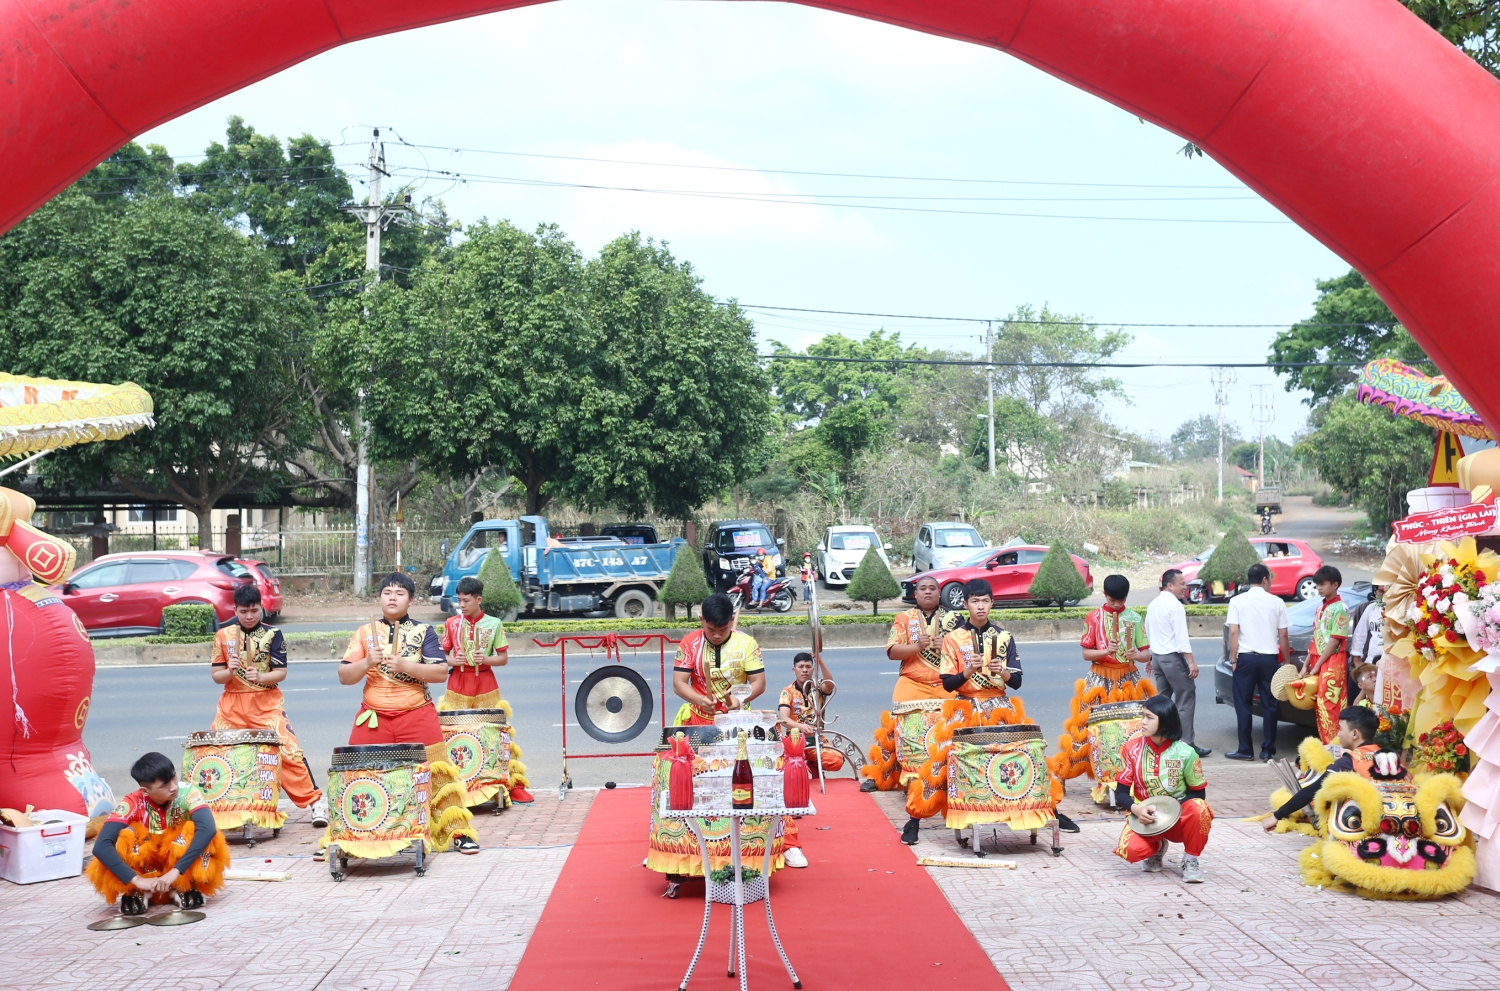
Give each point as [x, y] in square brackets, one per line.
[729, 545]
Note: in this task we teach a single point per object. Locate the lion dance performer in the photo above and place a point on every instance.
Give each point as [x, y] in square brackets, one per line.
[397, 706]
[249, 660]
[1158, 763]
[1114, 641]
[160, 839]
[1326, 661]
[475, 644]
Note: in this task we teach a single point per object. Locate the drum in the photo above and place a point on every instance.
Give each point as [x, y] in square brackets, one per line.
[671, 847]
[239, 774]
[915, 722]
[478, 743]
[999, 774]
[377, 798]
[1111, 725]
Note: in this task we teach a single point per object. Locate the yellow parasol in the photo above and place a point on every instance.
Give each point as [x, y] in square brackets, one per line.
[39, 415]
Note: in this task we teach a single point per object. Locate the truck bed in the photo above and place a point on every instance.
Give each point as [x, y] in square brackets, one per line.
[578, 565]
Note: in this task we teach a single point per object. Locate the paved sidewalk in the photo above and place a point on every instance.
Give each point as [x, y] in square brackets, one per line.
[1088, 921]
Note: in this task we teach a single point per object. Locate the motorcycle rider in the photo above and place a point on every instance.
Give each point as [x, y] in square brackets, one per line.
[759, 580]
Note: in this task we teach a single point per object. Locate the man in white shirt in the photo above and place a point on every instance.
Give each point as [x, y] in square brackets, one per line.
[1172, 651]
[1258, 644]
[1367, 641]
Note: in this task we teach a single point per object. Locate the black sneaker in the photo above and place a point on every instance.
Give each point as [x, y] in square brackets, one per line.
[1066, 825]
[132, 904]
[1239, 755]
[1202, 751]
[868, 785]
[909, 834]
[464, 844]
[192, 898]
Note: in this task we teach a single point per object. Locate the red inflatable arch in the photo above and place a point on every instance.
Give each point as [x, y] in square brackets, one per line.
[1351, 116]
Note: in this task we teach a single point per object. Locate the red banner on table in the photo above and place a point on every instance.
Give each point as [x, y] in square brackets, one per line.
[1445, 524]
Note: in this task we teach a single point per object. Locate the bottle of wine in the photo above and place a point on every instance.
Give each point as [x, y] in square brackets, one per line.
[742, 784]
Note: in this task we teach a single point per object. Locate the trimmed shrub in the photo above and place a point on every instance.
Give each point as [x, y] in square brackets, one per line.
[189, 620]
[501, 597]
[685, 584]
[1057, 579]
[1230, 562]
[872, 581]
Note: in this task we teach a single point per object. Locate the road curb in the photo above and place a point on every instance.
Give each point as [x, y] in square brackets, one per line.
[521, 645]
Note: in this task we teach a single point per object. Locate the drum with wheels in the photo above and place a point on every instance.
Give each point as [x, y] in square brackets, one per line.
[998, 774]
[239, 774]
[915, 722]
[377, 804]
[1111, 725]
[478, 742]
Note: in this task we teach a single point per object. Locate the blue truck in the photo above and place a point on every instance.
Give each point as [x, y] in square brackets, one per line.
[596, 576]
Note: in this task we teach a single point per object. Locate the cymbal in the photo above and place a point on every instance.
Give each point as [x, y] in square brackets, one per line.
[177, 917]
[117, 922]
[1168, 811]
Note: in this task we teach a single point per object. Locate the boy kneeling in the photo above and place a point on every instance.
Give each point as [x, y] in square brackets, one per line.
[158, 839]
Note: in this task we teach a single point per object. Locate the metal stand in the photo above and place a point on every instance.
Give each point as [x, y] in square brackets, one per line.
[974, 841]
[694, 820]
[338, 861]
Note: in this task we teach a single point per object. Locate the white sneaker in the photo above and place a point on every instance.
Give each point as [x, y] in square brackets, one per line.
[1191, 872]
[794, 857]
[320, 814]
[1152, 864]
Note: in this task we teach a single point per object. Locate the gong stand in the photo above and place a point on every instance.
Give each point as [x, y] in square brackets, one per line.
[611, 643]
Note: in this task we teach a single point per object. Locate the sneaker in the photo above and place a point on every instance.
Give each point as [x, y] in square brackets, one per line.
[192, 898]
[1191, 872]
[1152, 864]
[132, 903]
[464, 844]
[1239, 755]
[868, 785]
[795, 857]
[909, 834]
[320, 814]
[1202, 751]
[520, 796]
[1066, 825]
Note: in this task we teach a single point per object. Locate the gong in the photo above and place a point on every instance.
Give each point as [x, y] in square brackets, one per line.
[614, 704]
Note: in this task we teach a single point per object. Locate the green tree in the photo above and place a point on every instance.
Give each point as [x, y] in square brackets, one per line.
[157, 291]
[1044, 339]
[1472, 25]
[872, 581]
[1198, 439]
[1057, 578]
[1371, 455]
[1230, 562]
[1350, 323]
[501, 597]
[685, 584]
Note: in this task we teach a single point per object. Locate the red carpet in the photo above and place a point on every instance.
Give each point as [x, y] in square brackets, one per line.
[844, 925]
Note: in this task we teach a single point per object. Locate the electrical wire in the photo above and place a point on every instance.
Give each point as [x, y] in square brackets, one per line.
[981, 363]
[1010, 320]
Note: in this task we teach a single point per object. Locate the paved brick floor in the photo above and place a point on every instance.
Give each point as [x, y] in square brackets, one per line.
[1087, 920]
[1082, 921]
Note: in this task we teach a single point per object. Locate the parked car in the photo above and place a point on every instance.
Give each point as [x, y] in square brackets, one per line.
[1299, 624]
[841, 550]
[122, 595]
[269, 584]
[1292, 564]
[729, 544]
[1009, 570]
[632, 533]
[944, 545]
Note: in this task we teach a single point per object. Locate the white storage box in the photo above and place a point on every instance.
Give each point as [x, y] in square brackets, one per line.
[44, 852]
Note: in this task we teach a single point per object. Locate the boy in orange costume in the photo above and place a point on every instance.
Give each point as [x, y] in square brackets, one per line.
[159, 839]
[249, 660]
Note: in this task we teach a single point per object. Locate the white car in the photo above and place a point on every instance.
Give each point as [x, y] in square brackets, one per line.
[841, 550]
[944, 545]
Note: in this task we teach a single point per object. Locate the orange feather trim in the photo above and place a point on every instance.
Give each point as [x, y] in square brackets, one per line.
[883, 768]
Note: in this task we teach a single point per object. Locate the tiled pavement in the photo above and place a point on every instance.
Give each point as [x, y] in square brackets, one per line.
[1082, 921]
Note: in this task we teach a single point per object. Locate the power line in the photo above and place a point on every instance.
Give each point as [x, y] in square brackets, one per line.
[1106, 323]
[981, 363]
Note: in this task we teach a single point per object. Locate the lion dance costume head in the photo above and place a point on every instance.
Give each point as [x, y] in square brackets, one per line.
[1386, 835]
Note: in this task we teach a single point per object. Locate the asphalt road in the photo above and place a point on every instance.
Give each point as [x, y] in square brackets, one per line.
[154, 708]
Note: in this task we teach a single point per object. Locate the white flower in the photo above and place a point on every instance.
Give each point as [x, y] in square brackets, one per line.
[1448, 579]
[1433, 630]
[1414, 613]
[1441, 605]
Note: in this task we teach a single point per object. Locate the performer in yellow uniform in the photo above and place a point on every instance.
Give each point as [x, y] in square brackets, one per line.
[249, 660]
[1114, 641]
[397, 659]
[712, 660]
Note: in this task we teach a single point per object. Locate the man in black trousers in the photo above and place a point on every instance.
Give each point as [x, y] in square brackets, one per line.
[1258, 644]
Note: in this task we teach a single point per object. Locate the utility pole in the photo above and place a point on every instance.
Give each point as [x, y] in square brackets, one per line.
[377, 216]
[989, 374]
[1222, 379]
[1265, 413]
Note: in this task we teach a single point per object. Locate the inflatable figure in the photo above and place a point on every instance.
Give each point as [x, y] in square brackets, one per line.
[46, 660]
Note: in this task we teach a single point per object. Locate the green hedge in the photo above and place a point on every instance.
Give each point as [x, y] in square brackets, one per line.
[189, 621]
[198, 638]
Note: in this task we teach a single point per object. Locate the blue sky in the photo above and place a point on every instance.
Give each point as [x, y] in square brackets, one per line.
[753, 87]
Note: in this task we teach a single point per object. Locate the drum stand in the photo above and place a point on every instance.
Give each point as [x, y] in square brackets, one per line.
[249, 834]
[338, 861]
[974, 841]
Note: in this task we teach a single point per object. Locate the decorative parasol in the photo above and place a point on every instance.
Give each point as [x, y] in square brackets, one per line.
[1428, 399]
[38, 415]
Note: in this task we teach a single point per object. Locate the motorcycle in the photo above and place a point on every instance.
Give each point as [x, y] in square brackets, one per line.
[778, 592]
[1265, 521]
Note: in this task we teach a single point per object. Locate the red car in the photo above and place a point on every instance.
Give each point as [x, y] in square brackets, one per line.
[1292, 564]
[1009, 570]
[122, 595]
[270, 586]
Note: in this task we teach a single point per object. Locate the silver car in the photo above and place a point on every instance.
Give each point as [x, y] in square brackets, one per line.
[944, 545]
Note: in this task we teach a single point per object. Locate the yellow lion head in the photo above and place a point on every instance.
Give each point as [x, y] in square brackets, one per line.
[1390, 838]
